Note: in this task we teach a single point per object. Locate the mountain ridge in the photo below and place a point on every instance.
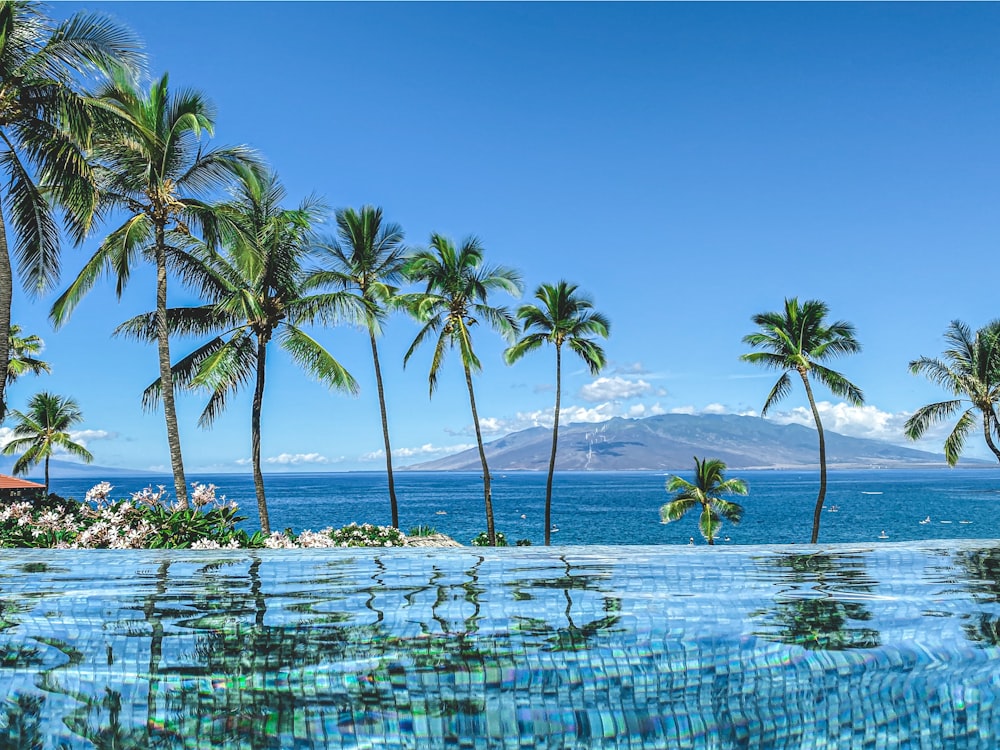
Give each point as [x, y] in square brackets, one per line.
[670, 441]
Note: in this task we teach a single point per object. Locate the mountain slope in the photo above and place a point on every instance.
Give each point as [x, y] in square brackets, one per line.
[669, 442]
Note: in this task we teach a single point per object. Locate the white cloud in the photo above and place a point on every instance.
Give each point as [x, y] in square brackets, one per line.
[614, 389]
[715, 409]
[427, 450]
[296, 459]
[873, 423]
[84, 436]
[683, 410]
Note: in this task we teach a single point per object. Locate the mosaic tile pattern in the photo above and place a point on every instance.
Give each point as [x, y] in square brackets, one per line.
[585, 647]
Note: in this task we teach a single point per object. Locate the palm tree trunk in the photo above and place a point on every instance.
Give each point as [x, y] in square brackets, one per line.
[258, 400]
[6, 300]
[166, 376]
[817, 512]
[385, 433]
[487, 496]
[988, 419]
[46, 495]
[555, 443]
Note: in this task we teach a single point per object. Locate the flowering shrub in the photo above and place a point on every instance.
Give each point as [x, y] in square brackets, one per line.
[151, 520]
[367, 535]
[147, 520]
[483, 539]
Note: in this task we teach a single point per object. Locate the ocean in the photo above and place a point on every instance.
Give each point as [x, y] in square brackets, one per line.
[872, 505]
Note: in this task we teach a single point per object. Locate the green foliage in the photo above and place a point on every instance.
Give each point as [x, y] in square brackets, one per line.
[483, 540]
[522, 543]
[706, 491]
[970, 371]
[367, 535]
[422, 530]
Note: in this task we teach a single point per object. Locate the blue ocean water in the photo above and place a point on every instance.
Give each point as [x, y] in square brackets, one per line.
[622, 507]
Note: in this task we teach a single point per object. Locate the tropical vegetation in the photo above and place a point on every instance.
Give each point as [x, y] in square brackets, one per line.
[367, 259]
[798, 339]
[255, 292]
[213, 218]
[705, 492]
[564, 317]
[151, 166]
[455, 299]
[43, 429]
[150, 520]
[46, 126]
[970, 370]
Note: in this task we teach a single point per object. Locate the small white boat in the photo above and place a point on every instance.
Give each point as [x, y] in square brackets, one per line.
[965, 521]
[441, 513]
[925, 521]
[946, 522]
[554, 529]
[883, 535]
[870, 493]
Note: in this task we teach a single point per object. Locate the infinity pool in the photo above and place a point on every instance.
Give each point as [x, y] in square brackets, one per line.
[574, 647]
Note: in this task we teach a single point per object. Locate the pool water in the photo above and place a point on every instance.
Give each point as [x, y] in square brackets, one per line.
[571, 647]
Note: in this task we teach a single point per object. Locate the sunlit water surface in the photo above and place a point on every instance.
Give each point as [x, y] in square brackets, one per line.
[883, 646]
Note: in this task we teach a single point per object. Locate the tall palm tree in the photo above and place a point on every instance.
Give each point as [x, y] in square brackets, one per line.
[45, 128]
[564, 318]
[709, 485]
[24, 351]
[367, 258]
[970, 369]
[458, 284]
[152, 166]
[255, 296]
[42, 429]
[797, 339]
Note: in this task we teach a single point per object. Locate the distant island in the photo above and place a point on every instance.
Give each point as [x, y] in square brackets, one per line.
[668, 442]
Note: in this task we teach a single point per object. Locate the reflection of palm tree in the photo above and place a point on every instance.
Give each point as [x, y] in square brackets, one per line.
[821, 623]
[983, 575]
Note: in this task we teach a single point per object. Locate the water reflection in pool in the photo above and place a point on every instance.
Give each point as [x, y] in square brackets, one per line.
[586, 647]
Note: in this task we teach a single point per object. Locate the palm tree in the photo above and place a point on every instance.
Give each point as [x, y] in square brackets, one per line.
[970, 369]
[23, 355]
[798, 339]
[709, 483]
[455, 299]
[255, 296]
[368, 257]
[564, 318]
[45, 125]
[42, 429]
[152, 166]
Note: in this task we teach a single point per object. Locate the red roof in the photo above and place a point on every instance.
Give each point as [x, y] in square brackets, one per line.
[13, 483]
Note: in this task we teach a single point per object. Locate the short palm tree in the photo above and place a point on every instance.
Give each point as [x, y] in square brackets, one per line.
[23, 359]
[255, 296]
[44, 428]
[45, 128]
[367, 258]
[564, 317]
[709, 485]
[970, 370]
[797, 339]
[151, 166]
[458, 284]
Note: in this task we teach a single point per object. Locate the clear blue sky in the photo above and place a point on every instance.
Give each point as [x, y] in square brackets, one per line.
[686, 165]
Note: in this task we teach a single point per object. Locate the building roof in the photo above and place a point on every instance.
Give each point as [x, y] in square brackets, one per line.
[13, 483]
